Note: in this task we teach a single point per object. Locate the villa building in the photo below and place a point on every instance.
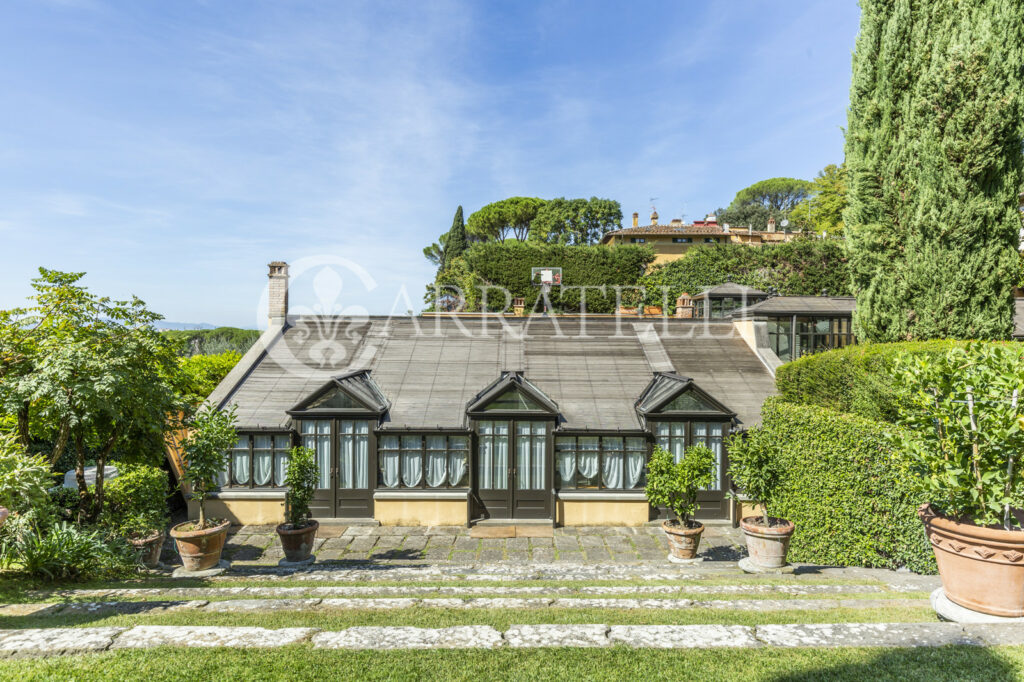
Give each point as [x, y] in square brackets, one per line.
[453, 420]
[671, 241]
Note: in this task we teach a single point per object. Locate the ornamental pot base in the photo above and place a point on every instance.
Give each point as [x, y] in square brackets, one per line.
[200, 550]
[297, 543]
[683, 542]
[982, 569]
[149, 549]
[767, 545]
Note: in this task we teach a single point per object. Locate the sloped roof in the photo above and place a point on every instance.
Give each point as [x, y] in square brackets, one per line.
[670, 229]
[730, 289]
[429, 369]
[799, 305]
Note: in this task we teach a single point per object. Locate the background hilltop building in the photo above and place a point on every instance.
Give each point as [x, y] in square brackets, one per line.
[670, 241]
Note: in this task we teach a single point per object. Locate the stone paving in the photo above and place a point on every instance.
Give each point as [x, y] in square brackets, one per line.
[259, 545]
[64, 641]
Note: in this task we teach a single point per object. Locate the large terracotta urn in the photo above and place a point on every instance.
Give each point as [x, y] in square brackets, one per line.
[200, 549]
[767, 545]
[982, 568]
[683, 540]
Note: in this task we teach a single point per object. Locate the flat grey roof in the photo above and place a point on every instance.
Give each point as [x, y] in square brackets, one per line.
[799, 305]
[430, 368]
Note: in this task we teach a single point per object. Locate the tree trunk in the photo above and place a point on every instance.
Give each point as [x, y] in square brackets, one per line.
[83, 487]
[101, 463]
[62, 441]
[23, 434]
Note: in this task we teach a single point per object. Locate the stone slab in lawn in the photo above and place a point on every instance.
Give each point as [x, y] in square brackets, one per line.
[557, 635]
[55, 641]
[458, 637]
[867, 634]
[147, 636]
[29, 609]
[368, 603]
[242, 605]
[997, 634]
[683, 636]
[108, 608]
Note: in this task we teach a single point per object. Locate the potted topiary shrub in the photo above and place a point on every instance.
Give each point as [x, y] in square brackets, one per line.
[962, 439]
[675, 485]
[298, 532]
[212, 433]
[136, 509]
[754, 470]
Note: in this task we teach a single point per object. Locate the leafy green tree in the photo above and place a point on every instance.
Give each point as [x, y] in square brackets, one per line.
[212, 433]
[435, 252]
[576, 221]
[822, 211]
[501, 219]
[101, 375]
[933, 152]
[771, 198]
[456, 241]
[200, 374]
[24, 478]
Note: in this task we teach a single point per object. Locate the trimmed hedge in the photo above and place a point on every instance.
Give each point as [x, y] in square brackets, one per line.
[841, 487]
[507, 264]
[855, 379]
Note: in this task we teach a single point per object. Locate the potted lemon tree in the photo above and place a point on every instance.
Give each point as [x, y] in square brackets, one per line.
[754, 470]
[201, 542]
[962, 438]
[298, 532]
[675, 485]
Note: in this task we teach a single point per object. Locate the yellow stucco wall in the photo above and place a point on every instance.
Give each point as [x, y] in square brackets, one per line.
[603, 513]
[420, 512]
[242, 512]
[748, 508]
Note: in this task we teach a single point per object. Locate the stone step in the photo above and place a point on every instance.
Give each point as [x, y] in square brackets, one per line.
[350, 603]
[467, 590]
[64, 641]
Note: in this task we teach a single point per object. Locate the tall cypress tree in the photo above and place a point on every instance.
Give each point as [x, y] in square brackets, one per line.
[936, 163]
[457, 242]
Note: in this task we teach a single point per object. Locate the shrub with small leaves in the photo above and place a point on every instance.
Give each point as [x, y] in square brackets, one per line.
[301, 478]
[24, 478]
[212, 435]
[676, 484]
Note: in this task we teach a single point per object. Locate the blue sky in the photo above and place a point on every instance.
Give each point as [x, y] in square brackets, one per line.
[172, 149]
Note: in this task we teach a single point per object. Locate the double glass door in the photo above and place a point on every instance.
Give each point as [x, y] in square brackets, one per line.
[513, 473]
[342, 448]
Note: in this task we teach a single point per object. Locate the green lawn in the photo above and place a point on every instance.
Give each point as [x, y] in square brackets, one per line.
[498, 618]
[618, 663]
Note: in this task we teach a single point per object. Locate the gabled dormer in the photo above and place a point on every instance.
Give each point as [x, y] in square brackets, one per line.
[512, 395]
[349, 394]
[670, 395]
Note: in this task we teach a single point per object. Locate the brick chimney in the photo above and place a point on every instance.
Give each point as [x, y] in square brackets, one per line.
[771, 224]
[654, 217]
[278, 293]
[636, 219]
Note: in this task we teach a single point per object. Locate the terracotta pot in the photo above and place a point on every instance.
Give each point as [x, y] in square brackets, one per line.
[625, 310]
[982, 569]
[682, 541]
[149, 548]
[767, 545]
[3, 515]
[200, 549]
[652, 310]
[297, 542]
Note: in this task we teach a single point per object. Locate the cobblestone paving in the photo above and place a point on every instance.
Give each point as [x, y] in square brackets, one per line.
[58, 641]
[259, 545]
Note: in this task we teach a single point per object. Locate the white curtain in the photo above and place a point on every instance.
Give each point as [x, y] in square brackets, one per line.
[282, 448]
[486, 456]
[412, 462]
[436, 459]
[457, 452]
[714, 441]
[613, 470]
[540, 446]
[361, 471]
[346, 454]
[263, 460]
[500, 474]
[240, 460]
[523, 467]
[389, 461]
[566, 461]
[587, 457]
[678, 440]
[316, 435]
[634, 462]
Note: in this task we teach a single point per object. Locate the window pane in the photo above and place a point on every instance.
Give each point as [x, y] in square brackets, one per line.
[437, 461]
[565, 462]
[540, 447]
[240, 461]
[588, 461]
[316, 435]
[457, 470]
[412, 461]
[389, 461]
[524, 470]
[263, 459]
[500, 467]
[613, 460]
[346, 454]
